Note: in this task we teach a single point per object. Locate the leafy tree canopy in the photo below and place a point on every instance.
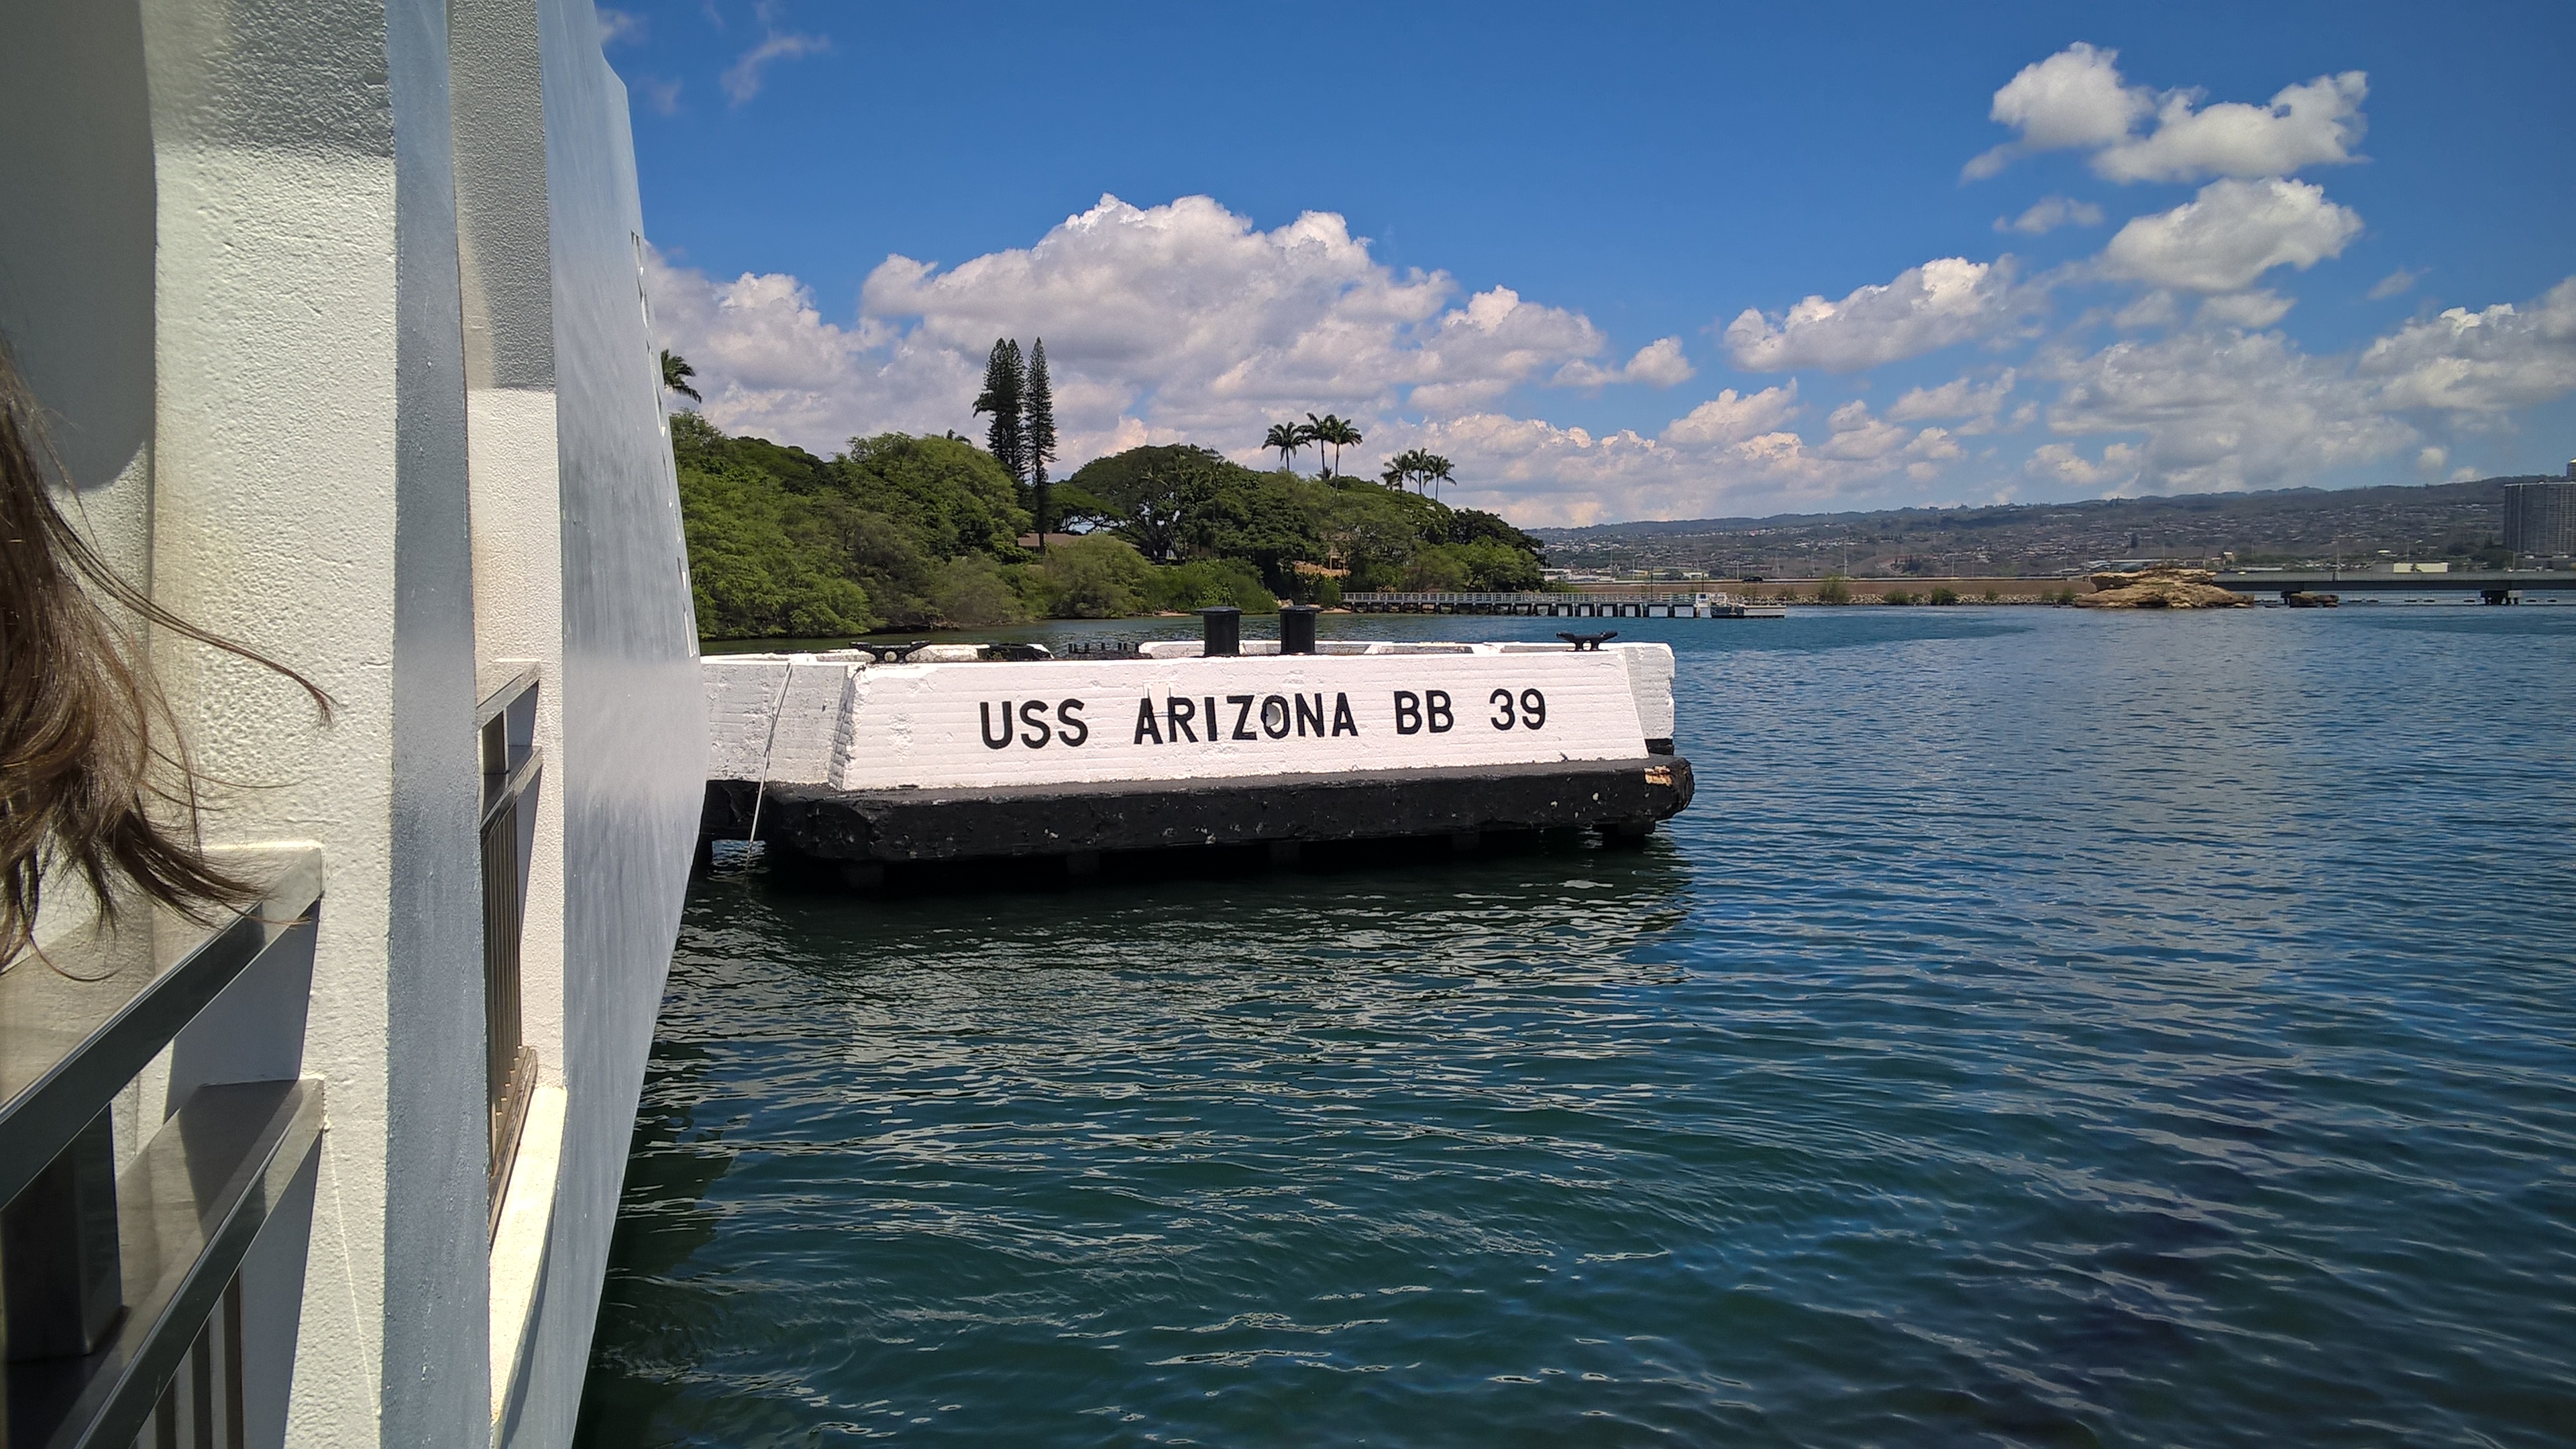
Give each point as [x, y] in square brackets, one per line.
[913, 532]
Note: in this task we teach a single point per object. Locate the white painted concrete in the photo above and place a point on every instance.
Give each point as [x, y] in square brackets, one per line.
[1650, 677]
[519, 1246]
[76, 229]
[310, 499]
[852, 726]
[518, 614]
[371, 388]
[776, 717]
[633, 766]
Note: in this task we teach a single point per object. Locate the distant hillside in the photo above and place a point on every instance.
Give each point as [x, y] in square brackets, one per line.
[2288, 526]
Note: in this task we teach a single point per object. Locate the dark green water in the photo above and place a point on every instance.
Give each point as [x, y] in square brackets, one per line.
[2045, 1029]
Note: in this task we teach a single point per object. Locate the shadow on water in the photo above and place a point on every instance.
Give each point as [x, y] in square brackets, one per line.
[942, 1007]
[1251, 868]
[662, 1219]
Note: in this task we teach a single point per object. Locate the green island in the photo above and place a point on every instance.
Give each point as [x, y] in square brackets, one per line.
[905, 532]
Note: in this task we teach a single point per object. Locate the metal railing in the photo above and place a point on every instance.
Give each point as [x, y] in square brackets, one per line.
[512, 767]
[1102, 646]
[117, 1282]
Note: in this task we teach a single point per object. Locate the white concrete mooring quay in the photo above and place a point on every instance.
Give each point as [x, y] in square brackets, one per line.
[955, 753]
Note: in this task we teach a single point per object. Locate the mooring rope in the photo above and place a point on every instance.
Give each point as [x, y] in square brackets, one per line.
[761, 789]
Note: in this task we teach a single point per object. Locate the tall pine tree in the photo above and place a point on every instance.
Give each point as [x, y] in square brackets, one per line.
[1005, 397]
[1037, 432]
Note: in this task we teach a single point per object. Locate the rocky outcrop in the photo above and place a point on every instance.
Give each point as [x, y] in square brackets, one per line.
[2166, 586]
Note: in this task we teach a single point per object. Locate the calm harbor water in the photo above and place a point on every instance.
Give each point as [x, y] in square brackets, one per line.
[2045, 1028]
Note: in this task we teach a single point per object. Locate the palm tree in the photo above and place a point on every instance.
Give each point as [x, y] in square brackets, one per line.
[676, 373]
[1436, 469]
[1335, 431]
[1413, 466]
[1288, 439]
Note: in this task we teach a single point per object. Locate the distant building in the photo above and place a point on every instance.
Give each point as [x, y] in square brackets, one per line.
[2540, 518]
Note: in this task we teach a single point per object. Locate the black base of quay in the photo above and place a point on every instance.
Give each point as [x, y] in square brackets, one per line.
[861, 833]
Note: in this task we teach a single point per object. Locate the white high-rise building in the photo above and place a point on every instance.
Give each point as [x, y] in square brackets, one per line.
[2540, 518]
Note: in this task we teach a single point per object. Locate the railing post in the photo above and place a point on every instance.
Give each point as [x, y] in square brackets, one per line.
[64, 1286]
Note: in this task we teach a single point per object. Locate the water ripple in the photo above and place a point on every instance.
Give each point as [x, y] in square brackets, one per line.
[2045, 1029]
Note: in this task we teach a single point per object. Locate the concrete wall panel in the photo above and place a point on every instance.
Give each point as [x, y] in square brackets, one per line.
[634, 721]
[772, 718]
[936, 725]
[310, 499]
[76, 253]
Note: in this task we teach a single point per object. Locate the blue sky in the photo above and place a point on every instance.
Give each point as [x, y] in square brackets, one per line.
[1530, 238]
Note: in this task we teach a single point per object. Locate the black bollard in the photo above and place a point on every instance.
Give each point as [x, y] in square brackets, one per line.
[1297, 628]
[1224, 631]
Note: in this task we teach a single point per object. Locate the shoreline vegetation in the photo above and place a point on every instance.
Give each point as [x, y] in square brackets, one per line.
[904, 532]
[898, 532]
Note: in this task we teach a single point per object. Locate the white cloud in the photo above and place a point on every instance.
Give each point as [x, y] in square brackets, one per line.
[2315, 124]
[769, 363]
[2077, 100]
[2242, 309]
[1183, 320]
[2225, 410]
[1931, 306]
[620, 26]
[2480, 362]
[1857, 435]
[1187, 322]
[661, 96]
[2049, 213]
[2230, 234]
[2151, 310]
[2396, 283]
[1957, 399]
[1706, 463]
[742, 80]
[1216, 324]
[2074, 99]
[1659, 363]
[1728, 418]
[2060, 463]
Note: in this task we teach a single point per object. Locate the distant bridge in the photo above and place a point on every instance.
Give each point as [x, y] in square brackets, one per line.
[2495, 586]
